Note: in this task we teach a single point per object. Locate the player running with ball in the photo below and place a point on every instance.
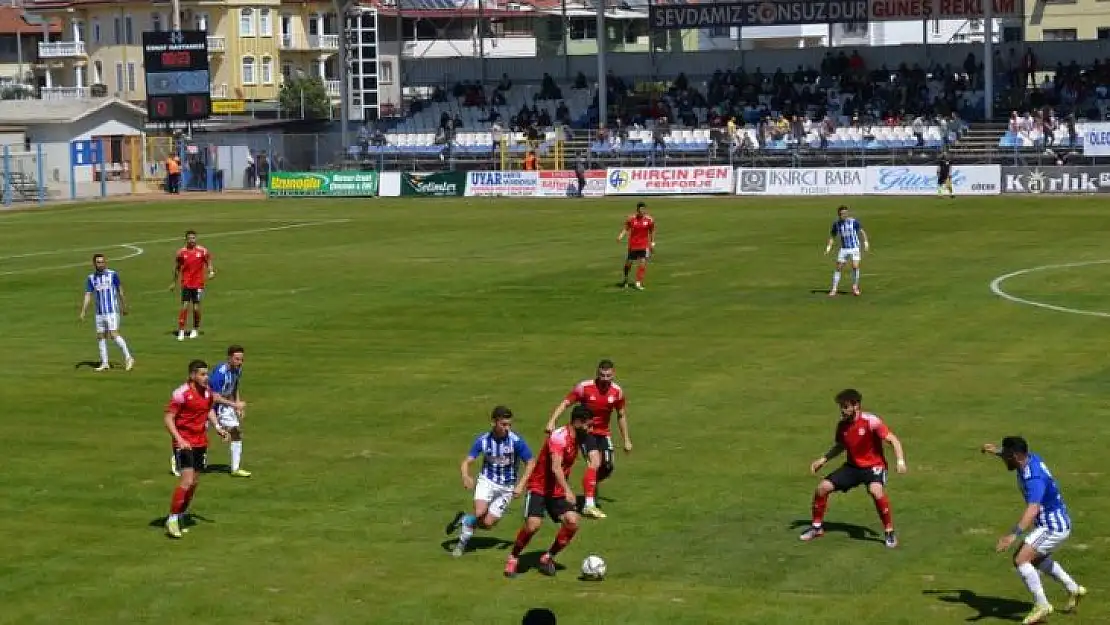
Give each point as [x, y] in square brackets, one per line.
[851, 234]
[862, 435]
[502, 451]
[1047, 522]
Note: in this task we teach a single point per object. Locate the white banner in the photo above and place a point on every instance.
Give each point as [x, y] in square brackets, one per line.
[804, 181]
[565, 184]
[1096, 138]
[922, 180]
[668, 180]
[510, 183]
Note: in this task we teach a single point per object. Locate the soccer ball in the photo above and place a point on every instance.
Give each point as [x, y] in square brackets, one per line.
[593, 567]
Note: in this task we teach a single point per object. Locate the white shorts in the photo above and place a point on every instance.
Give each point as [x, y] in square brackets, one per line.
[845, 255]
[1045, 541]
[227, 417]
[498, 497]
[107, 323]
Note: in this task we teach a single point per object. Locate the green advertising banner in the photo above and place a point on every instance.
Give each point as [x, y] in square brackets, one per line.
[323, 184]
[444, 183]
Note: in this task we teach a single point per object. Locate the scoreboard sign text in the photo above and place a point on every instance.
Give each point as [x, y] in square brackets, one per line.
[177, 80]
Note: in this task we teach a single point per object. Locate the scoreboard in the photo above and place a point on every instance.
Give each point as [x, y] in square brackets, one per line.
[177, 80]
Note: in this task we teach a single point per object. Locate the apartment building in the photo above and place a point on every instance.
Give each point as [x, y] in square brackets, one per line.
[252, 46]
[1067, 20]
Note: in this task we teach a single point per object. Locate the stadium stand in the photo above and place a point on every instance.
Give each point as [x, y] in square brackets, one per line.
[1049, 112]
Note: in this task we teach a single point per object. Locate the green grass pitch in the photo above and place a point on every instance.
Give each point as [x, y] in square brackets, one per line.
[380, 334]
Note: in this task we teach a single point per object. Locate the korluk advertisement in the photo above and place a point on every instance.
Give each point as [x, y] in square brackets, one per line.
[1055, 180]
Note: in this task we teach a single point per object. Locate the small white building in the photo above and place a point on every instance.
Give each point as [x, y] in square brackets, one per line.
[117, 124]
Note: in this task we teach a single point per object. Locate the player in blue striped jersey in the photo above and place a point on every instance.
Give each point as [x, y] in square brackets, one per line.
[851, 235]
[500, 479]
[103, 285]
[230, 407]
[1045, 523]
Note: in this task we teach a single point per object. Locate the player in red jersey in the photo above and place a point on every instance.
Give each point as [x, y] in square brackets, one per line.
[550, 493]
[640, 229]
[193, 262]
[861, 434]
[601, 396]
[187, 418]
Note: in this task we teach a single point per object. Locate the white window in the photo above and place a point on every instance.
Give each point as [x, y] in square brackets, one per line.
[246, 22]
[265, 26]
[200, 21]
[248, 70]
[129, 27]
[96, 30]
[98, 73]
[267, 70]
[156, 22]
[386, 69]
[119, 78]
[130, 77]
[79, 30]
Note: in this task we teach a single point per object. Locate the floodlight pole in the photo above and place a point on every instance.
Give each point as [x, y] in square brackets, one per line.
[341, 8]
[988, 60]
[602, 87]
[175, 20]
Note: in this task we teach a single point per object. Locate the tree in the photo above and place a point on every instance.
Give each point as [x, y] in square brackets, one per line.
[304, 97]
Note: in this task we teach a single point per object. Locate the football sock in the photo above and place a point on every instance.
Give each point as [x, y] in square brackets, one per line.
[179, 501]
[522, 539]
[562, 539]
[855, 277]
[589, 485]
[181, 317]
[103, 345]
[640, 273]
[189, 496]
[123, 347]
[882, 506]
[1032, 581]
[836, 279]
[627, 268]
[196, 319]
[1053, 568]
[467, 530]
[820, 503]
[236, 454]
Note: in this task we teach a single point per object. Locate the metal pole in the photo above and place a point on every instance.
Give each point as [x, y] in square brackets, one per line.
[341, 7]
[988, 60]
[565, 40]
[19, 54]
[602, 86]
[103, 168]
[41, 172]
[480, 26]
[7, 175]
[176, 19]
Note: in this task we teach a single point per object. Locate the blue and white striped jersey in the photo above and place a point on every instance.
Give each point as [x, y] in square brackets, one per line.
[1039, 487]
[501, 457]
[848, 231]
[224, 380]
[105, 287]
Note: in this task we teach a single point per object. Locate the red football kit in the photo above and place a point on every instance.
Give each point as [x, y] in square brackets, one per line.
[862, 438]
[190, 409]
[601, 404]
[562, 443]
[640, 229]
[193, 263]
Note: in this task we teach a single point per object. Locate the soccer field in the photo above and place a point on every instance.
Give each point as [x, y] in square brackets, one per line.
[380, 333]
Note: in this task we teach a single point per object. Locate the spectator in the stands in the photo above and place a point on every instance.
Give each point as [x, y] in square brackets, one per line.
[530, 162]
[544, 119]
[548, 89]
[1029, 68]
[562, 114]
[505, 84]
[1048, 126]
[498, 99]
[580, 81]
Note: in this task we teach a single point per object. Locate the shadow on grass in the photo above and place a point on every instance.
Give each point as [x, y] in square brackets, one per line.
[479, 543]
[189, 520]
[531, 560]
[988, 607]
[855, 532]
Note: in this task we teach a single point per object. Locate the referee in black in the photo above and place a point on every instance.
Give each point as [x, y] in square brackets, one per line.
[944, 175]
[580, 172]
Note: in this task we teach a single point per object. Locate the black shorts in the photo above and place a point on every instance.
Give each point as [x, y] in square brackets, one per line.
[195, 458]
[597, 442]
[848, 477]
[192, 295]
[637, 254]
[943, 176]
[536, 505]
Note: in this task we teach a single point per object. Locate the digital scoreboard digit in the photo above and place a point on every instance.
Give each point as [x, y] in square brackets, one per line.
[177, 78]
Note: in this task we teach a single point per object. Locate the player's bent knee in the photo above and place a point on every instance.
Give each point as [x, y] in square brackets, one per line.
[825, 487]
[876, 490]
[488, 521]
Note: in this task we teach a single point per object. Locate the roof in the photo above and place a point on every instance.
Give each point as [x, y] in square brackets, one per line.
[29, 112]
[12, 22]
[452, 8]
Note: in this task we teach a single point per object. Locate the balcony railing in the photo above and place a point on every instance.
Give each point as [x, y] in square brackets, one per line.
[217, 44]
[323, 42]
[61, 49]
[64, 93]
[288, 41]
[332, 87]
[219, 92]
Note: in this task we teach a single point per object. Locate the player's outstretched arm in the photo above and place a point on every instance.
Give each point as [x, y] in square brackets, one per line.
[623, 233]
[558, 412]
[464, 469]
[85, 305]
[866, 240]
[989, 448]
[833, 452]
[529, 467]
[829, 244]
[622, 423]
[899, 454]
[215, 422]
[171, 427]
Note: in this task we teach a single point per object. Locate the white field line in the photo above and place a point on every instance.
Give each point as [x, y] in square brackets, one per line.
[996, 288]
[135, 251]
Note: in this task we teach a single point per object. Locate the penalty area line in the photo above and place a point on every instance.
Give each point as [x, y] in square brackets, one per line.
[135, 251]
[996, 288]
